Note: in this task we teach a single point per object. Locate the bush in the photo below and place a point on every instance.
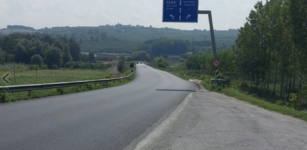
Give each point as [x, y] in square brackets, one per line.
[244, 87]
[212, 88]
[90, 86]
[44, 67]
[121, 65]
[280, 102]
[219, 88]
[37, 59]
[60, 90]
[4, 96]
[9, 67]
[161, 62]
[34, 67]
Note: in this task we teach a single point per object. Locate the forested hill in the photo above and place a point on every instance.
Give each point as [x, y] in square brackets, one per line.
[126, 38]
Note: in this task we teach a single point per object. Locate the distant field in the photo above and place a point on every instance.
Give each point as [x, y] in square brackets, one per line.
[49, 76]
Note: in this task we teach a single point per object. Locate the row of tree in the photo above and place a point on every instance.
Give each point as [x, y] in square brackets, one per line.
[270, 51]
[38, 49]
[165, 47]
[272, 45]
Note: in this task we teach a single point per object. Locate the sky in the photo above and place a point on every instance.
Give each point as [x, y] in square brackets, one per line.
[57, 13]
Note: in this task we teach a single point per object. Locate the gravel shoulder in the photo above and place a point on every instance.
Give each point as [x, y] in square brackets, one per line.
[209, 120]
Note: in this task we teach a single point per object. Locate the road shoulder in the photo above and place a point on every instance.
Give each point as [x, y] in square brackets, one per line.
[209, 120]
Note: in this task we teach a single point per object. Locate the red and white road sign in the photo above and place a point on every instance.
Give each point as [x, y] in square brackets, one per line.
[216, 63]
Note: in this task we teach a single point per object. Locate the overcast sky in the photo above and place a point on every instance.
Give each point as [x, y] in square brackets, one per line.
[51, 13]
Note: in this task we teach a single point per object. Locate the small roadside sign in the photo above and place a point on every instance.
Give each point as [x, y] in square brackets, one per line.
[4, 78]
[180, 11]
[216, 63]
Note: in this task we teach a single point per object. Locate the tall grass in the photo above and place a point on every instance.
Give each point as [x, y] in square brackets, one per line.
[10, 67]
[234, 91]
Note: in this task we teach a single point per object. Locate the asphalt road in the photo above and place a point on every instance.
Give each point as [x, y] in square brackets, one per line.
[211, 121]
[113, 118]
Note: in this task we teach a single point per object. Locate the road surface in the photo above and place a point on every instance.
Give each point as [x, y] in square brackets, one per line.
[113, 118]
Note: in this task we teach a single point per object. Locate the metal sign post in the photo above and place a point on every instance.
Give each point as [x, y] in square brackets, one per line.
[217, 73]
[187, 11]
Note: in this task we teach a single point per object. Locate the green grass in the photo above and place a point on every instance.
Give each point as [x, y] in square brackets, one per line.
[10, 97]
[234, 92]
[60, 76]
[266, 105]
[50, 76]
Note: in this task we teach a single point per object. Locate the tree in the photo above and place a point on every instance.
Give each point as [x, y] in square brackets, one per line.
[90, 31]
[53, 57]
[25, 46]
[48, 39]
[298, 13]
[84, 57]
[8, 43]
[192, 63]
[37, 59]
[2, 56]
[121, 65]
[20, 55]
[161, 62]
[74, 50]
[91, 57]
[67, 55]
[140, 56]
[168, 47]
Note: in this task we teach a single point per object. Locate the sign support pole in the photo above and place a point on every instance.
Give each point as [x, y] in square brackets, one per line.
[212, 37]
[211, 30]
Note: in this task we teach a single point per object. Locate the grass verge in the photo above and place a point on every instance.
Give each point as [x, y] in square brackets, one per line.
[236, 93]
[264, 104]
[11, 97]
[60, 75]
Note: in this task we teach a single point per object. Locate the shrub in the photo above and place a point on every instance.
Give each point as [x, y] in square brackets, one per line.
[90, 86]
[244, 87]
[60, 90]
[219, 88]
[121, 65]
[161, 62]
[4, 96]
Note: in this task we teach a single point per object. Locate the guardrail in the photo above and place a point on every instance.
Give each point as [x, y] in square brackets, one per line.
[220, 82]
[30, 87]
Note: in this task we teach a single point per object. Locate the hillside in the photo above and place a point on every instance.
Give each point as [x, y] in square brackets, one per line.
[125, 38]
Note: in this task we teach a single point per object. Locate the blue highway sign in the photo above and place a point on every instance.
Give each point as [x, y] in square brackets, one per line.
[180, 11]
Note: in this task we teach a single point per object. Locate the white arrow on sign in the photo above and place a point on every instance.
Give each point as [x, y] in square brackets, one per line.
[171, 15]
[180, 10]
[180, 17]
[188, 17]
[180, 3]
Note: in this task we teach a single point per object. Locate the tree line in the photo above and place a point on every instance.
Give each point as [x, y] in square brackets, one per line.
[126, 38]
[270, 52]
[168, 47]
[38, 49]
[272, 45]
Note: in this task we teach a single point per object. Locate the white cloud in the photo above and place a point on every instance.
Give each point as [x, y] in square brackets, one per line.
[49, 13]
